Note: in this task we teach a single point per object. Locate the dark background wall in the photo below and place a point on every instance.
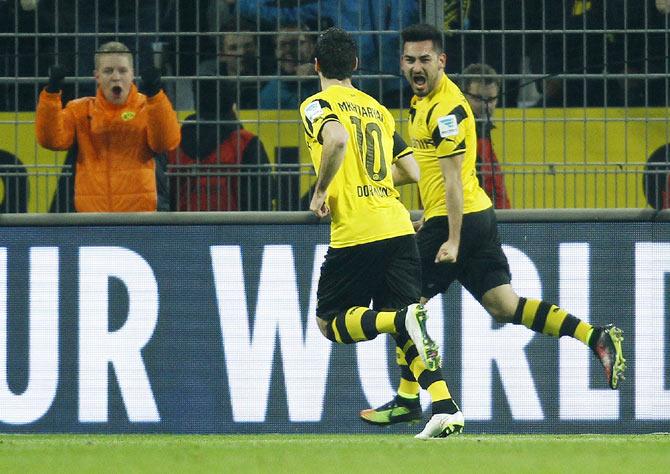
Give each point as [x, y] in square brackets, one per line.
[183, 329]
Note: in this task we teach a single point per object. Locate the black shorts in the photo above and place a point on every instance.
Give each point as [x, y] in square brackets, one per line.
[386, 272]
[481, 264]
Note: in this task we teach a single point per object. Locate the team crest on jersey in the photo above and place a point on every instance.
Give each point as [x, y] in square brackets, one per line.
[313, 111]
[127, 115]
[448, 126]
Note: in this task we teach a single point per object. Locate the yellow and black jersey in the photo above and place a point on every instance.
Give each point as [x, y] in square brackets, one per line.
[363, 202]
[442, 125]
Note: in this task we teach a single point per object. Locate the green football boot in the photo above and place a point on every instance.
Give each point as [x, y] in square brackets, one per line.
[415, 324]
[608, 349]
[398, 410]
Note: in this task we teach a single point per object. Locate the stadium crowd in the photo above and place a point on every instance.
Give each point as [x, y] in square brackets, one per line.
[563, 41]
[573, 53]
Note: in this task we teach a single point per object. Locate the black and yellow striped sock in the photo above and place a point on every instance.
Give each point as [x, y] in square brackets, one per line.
[408, 386]
[431, 381]
[549, 319]
[363, 324]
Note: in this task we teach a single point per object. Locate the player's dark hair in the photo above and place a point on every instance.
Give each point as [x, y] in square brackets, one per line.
[423, 32]
[336, 53]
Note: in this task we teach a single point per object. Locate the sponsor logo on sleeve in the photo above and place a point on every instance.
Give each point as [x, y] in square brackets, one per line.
[448, 126]
[313, 111]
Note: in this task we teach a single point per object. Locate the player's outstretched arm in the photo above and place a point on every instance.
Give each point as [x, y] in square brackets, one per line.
[405, 170]
[453, 186]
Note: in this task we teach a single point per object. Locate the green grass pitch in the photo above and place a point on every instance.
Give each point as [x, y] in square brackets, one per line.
[322, 454]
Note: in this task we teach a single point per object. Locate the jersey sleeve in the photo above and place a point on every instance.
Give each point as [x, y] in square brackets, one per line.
[400, 148]
[449, 128]
[315, 114]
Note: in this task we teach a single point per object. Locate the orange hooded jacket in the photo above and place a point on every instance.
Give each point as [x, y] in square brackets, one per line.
[116, 145]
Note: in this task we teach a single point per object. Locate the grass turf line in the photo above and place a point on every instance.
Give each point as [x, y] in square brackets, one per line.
[333, 453]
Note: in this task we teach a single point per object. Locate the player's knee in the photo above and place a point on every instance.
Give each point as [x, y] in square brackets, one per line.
[500, 316]
[501, 313]
[501, 304]
[325, 328]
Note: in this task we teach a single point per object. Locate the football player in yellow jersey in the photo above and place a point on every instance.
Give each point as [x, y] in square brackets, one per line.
[372, 257]
[458, 237]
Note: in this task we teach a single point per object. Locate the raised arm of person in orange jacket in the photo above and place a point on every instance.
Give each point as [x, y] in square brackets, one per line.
[163, 130]
[54, 126]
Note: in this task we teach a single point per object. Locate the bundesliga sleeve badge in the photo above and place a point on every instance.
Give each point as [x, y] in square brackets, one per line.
[448, 126]
[313, 111]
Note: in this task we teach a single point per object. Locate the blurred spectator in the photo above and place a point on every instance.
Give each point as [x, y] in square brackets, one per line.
[488, 33]
[294, 52]
[190, 47]
[581, 52]
[640, 52]
[91, 23]
[377, 53]
[238, 55]
[116, 134]
[7, 59]
[456, 21]
[219, 165]
[221, 12]
[22, 55]
[481, 86]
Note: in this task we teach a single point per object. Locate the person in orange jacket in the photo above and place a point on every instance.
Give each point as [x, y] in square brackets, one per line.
[117, 133]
